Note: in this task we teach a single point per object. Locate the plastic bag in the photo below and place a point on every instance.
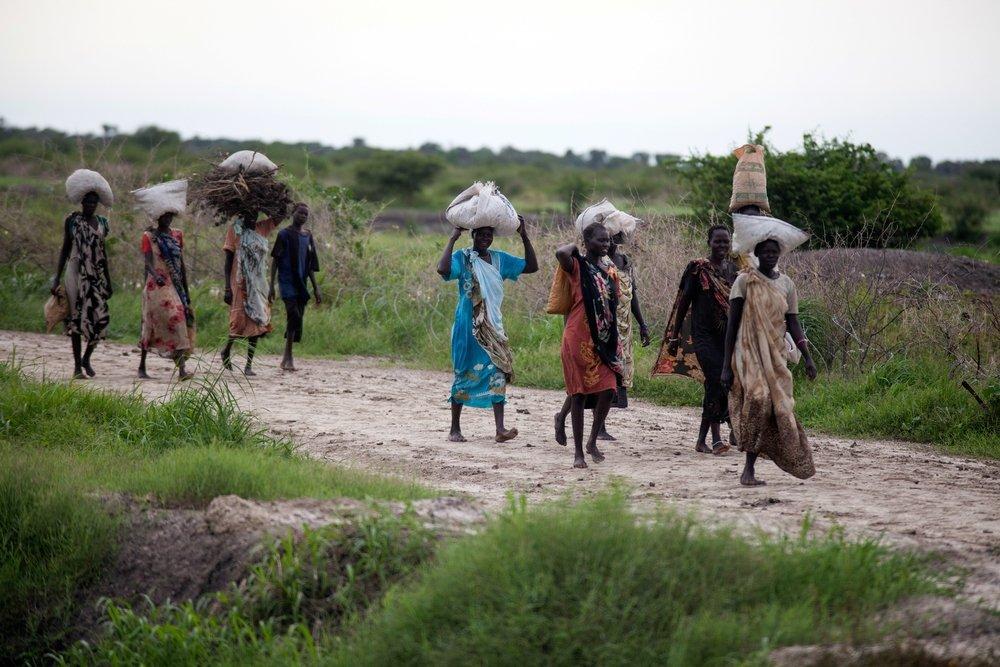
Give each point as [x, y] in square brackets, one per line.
[82, 181]
[250, 162]
[483, 205]
[169, 197]
[605, 213]
[749, 230]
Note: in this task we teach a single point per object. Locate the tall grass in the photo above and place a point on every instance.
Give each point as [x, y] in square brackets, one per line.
[63, 446]
[563, 584]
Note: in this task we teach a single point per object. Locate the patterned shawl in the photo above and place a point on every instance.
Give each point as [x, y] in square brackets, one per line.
[253, 266]
[600, 302]
[712, 281]
[170, 251]
[761, 403]
[486, 294]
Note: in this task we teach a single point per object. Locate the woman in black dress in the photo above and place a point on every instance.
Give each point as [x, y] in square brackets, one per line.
[704, 290]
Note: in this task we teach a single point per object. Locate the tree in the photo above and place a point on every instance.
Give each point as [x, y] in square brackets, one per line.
[597, 159]
[151, 136]
[833, 188]
[641, 158]
[388, 175]
[921, 163]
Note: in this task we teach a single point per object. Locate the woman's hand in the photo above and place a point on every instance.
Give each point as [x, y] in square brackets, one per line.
[228, 296]
[319, 298]
[644, 335]
[673, 344]
[810, 369]
[727, 378]
[456, 234]
[521, 229]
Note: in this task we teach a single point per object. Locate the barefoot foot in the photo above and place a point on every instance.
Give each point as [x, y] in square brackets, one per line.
[143, 375]
[456, 436]
[702, 448]
[186, 375]
[504, 436]
[595, 454]
[249, 372]
[748, 479]
[88, 368]
[560, 429]
[579, 462]
[604, 435]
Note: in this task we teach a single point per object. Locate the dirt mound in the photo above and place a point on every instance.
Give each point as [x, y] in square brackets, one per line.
[899, 265]
[929, 631]
[183, 554]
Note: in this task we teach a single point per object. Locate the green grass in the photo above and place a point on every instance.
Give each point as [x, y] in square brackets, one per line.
[61, 446]
[562, 584]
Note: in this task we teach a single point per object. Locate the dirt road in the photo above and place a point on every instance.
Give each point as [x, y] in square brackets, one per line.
[366, 413]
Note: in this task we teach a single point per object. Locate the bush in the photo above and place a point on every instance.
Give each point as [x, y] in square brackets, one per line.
[395, 175]
[833, 188]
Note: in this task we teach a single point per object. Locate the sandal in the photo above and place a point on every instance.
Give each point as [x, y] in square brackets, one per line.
[719, 448]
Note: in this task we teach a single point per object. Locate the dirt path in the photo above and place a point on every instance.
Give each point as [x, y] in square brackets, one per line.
[365, 413]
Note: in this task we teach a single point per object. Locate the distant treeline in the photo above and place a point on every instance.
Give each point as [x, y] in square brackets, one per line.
[833, 187]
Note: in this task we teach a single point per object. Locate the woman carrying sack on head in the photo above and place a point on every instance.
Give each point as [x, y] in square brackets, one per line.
[591, 351]
[621, 226]
[480, 351]
[763, 312]
[167, 316]
[85, 259]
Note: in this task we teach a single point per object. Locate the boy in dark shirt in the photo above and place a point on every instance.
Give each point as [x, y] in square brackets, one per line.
[295, 260]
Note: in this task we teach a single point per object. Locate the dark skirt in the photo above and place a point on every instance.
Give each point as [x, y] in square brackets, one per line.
[711, 354]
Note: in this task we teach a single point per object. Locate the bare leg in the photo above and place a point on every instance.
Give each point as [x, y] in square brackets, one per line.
[226, 351]
[747, 478]
[85, 361]
[560, 420]
[603, 435]
[503, 435]
[456, 422]
[77, 345]
[702, 434]
[719, 447]
[576, 418]
[251, 349]
[182, 372]
[287, 363]
[600, 414]
[142, 364]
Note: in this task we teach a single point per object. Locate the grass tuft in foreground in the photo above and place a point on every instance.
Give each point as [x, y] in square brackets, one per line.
[563, 584]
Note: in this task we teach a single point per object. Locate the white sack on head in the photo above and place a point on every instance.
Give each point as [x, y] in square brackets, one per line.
[250, 162]
[169, 197]
[603, 213]
[623, 221]
[483, 205]
[82, 181]
[749, 230]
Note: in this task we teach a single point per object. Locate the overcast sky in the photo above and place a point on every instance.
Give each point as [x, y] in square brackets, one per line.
[911, 77]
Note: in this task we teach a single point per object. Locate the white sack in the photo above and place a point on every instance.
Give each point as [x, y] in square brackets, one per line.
[749, 230]
[605, 213]
[602, 213]
[82, 181]
[483, 205]
[250, 162]
[169, 197]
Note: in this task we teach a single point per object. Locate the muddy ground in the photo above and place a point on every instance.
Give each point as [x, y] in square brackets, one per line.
[370, 414]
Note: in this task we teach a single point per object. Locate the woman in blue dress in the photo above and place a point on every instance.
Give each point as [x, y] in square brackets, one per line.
[480, 351]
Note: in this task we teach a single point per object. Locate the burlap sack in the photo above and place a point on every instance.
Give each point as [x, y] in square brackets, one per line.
[82, 181]
[749, 179]
[56, 309]
[169, 197]
[250, 162]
